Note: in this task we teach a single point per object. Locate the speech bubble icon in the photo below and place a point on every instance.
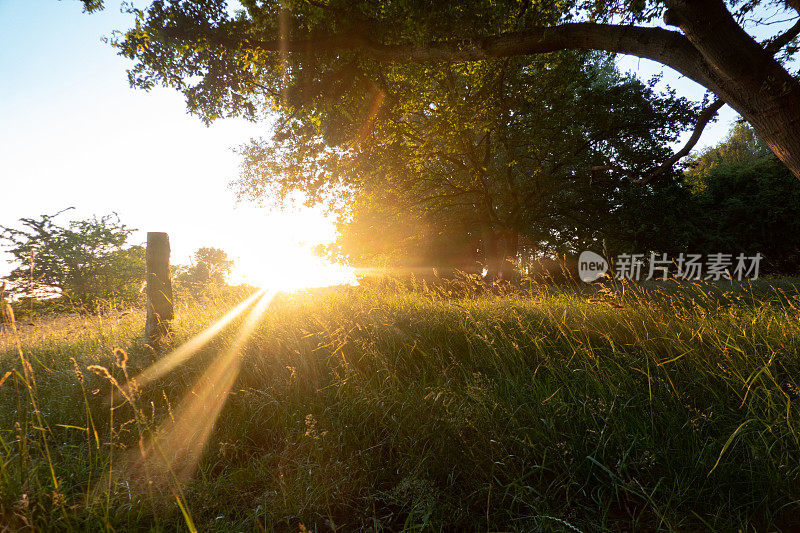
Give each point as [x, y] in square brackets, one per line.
[591, 266]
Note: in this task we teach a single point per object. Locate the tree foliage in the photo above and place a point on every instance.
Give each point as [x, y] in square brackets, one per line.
[352, 81]
[736, 198]
[210, 267]
[85, 261]
[746, 202]
[475, 156]
[283, 55]
[742, 147]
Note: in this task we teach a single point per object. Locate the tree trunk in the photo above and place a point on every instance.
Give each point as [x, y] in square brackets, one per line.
[500, 253]
[159, 288]
[744, 74]
[508, 269]
[779, 126]
[491, 256]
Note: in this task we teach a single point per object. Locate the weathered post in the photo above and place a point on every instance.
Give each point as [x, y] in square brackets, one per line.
[159, 287]
[3, 311]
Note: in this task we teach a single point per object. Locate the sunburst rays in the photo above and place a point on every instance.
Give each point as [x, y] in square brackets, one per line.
[173, 451]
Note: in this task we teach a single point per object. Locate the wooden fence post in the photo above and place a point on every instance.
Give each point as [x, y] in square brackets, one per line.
[3, 311]
[159, 287]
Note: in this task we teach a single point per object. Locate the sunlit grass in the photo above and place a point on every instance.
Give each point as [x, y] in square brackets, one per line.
[386, 407]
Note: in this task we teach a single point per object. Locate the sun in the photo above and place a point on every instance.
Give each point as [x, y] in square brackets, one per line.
[292, 268]
[274, 250]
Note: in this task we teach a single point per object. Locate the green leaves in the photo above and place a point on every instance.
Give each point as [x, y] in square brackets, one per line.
[211, 267]
[434, 156]
[84, 261]
[90, 6]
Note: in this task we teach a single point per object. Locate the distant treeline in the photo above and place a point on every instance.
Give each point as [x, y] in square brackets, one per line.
[85, 265]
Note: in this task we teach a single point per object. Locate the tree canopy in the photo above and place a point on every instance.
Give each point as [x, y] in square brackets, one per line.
[493, 151]
[443, 114]
[210, 267]
[742, 147]
[746, 202]
[287, 54]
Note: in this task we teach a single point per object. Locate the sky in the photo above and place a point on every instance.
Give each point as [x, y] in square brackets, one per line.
[74, 134]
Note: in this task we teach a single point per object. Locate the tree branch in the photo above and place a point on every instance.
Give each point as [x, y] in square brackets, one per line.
[705, 116]
[664, 46]
[774, 46]
[702, 120]
[794, 4]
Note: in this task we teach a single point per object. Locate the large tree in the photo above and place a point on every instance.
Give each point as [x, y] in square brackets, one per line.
[210, 268]
[289, 53]
[477, 156]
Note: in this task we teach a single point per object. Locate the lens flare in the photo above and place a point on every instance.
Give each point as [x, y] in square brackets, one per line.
[190, 347]
[176, 447]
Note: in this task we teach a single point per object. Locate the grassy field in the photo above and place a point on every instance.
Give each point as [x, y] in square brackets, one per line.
[383, 408]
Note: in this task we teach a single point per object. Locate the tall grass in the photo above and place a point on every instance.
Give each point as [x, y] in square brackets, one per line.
[653, 408]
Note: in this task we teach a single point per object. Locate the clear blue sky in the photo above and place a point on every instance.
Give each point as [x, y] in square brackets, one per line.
[72, 133]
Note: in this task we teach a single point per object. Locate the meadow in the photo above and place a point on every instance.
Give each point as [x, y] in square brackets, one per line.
[387, 407]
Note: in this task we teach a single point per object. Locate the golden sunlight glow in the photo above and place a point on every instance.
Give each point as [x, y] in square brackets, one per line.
[295, 267]
[273, 252]
[190, 347]
[275, 249]
[175, 449]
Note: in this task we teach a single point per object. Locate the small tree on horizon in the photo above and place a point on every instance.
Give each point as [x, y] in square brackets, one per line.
[210, 267]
